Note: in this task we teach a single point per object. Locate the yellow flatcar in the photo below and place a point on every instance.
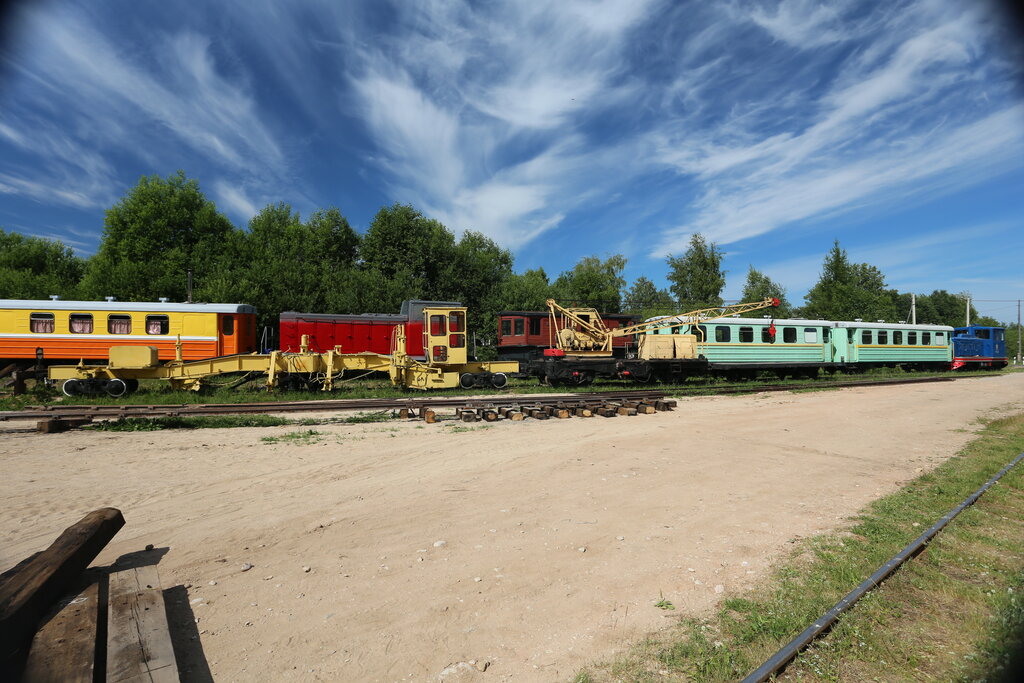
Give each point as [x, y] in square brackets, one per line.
[53, 330]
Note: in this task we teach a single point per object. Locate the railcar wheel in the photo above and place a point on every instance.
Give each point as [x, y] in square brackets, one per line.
[116, 388]
[133, 385]
[71, 387]
[499, 380]
[467, 380]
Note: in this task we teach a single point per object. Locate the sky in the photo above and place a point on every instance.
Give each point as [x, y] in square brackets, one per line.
[559, 129]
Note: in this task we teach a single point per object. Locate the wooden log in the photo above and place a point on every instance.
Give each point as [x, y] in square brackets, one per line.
[138, 640]
[583, 411]
[64, 649]
[607, 412]
[61, 424]
[516, 416]
[468, 416]
[490, 415]
[562, 413]
[428, 415]
[623, 410]
[8, 369]
[644, 409]
[28, 593]
[406, 413]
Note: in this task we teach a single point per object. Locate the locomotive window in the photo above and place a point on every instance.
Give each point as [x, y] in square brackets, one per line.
[897, 337]
[997, 333]
[865, 337]
[824, 334]
[437, 325]
[506, 328]
[722, 334]
[746, 334]
[811, 335]
[119, 324]
[227, 325]
[157, 324]
[440, 352]
[455, 322]
[926, 338]
[911, 337]
[676, 330]
[519, 327]
[851, 335]
[41, 322]
[938, 338]
[80, 323]
[766, 336]
[534, 325]
[789, 335]
[883, 337]
[981, 334]
[456, 341]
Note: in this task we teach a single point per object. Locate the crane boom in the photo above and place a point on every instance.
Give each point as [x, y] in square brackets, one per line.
[583, 329]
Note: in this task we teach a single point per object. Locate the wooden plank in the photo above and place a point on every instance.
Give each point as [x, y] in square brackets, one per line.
[27, 594]
[64, 649]
[138, 640]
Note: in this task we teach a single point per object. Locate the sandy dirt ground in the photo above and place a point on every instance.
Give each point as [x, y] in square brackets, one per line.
[403, 551]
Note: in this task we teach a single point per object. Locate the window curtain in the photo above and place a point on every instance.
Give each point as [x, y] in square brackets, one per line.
[81, 325]
[41, 325]
[120, 325]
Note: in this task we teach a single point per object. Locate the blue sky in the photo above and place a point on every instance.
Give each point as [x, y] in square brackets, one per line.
[560, 129]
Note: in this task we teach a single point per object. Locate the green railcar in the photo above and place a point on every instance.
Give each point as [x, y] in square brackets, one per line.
[880, 344]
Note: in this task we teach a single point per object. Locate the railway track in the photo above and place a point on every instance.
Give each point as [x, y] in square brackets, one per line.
[370, 404]
[102, 412]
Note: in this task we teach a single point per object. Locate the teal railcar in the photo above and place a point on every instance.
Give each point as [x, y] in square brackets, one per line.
[866, 345]
[744, 345]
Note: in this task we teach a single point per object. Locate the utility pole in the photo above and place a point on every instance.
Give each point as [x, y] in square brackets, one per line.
[1018, 332]
[188, 287]
[968, 312]
[913, 309]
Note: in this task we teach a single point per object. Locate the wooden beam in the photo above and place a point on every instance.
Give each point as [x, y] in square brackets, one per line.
[139, 644]
[64, 650]
[27, 594]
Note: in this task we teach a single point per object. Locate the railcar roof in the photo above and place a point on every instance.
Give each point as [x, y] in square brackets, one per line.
[143, 306]
[751, 321]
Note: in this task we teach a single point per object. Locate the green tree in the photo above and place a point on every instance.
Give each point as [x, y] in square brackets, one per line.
[646, 300]
[161, 229]
[846, 291]
[593, 282]
[410, 252]
[526, 291]
[759, 286]
[697, 277]
[35, 267]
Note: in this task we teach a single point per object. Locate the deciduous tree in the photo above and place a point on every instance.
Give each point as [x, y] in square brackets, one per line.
[35, 267]
[697, 277]
[759, 286]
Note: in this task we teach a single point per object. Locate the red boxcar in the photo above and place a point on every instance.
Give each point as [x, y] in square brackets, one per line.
[523, 335]
[356, 333]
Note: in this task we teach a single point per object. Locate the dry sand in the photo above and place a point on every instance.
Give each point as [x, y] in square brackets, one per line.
[534, 547]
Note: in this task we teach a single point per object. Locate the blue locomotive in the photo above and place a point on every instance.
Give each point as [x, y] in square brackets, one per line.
[979, 347]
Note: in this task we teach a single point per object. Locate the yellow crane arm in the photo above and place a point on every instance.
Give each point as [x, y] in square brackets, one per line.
[699, 316]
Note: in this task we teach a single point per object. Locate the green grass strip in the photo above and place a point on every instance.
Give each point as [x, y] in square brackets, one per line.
[956, 612]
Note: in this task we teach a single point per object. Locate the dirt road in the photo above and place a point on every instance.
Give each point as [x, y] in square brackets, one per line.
[428, 552]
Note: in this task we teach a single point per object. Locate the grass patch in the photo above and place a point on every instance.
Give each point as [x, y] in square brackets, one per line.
[956, 612]
[299, 438]
[152, 424]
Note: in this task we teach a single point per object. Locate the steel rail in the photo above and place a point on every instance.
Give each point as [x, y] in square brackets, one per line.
[753, 389]
[781, 658]
[179, 409]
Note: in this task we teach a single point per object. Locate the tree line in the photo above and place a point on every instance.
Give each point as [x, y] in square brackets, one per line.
[164, 228]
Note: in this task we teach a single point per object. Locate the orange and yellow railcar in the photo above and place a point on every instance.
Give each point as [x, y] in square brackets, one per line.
[55, 330]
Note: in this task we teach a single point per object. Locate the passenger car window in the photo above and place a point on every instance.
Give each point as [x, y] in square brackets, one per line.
[766, 335]
[865, 337]
[722, 334]
[119, 324]
[883, 337]
[926, 338]
[746, 334]
[41, 323]
[157, 324]
[519, 327]
[811, 335]
[534, 325]
[911, 337]
[506, 328]
[897, 337]
[227, 325]
[80, 323]
[789, 335]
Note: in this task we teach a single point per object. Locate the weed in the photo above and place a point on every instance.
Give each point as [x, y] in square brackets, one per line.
[151, 424]
[304, 437]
